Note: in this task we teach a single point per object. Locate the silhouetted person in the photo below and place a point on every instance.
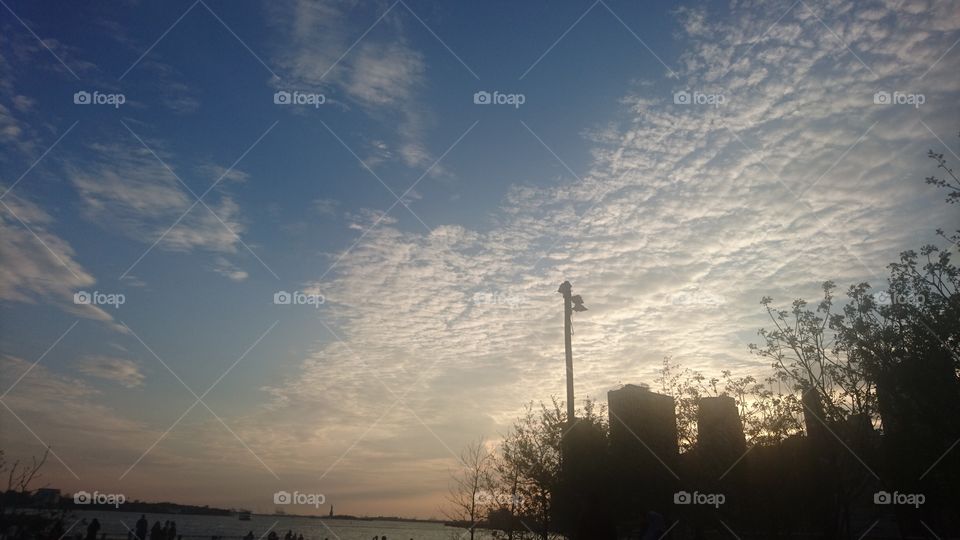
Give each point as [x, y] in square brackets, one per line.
[142, 527]
[172, 531]
[249, 536]
[56, 532]
[156, 532]
[272, 535]
[654, 526]
[92, 529]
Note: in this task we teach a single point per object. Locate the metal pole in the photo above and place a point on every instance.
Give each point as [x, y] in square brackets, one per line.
[565, 289]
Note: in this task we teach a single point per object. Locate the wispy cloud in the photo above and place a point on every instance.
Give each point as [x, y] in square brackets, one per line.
[119, 370]
[326, 207]
[126, 188]
[38, 265]
[227, 269]
[366, 58]
[174, 94]
[69, 415]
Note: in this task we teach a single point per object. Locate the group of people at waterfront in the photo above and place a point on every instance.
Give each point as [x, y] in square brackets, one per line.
[167, 531]
[272, 535]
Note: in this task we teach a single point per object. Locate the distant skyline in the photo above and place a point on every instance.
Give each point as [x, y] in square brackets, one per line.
[314, 247]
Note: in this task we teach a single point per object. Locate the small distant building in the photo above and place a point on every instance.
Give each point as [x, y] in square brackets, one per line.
[46, 496]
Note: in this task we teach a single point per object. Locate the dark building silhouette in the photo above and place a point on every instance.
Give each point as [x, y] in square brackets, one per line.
[644, 451]
[919, 399]
[719, 430]
[643, 424]
[582, 506]
[814, 418]
[826, 483]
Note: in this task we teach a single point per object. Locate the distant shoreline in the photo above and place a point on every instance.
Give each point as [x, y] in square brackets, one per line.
[185, 510]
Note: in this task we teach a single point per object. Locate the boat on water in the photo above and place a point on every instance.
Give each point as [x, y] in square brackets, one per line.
[243, 515]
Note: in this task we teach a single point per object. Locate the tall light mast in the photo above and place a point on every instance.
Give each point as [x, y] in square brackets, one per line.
[571, 303]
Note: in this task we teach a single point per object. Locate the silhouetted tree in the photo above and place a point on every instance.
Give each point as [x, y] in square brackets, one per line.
[907, 338]
[768, 416]
[528, 482]
[21, 474]
[468, 485]
[805, 354]
[20, 513]
[889, 358]
[532, 450]
[951, 182]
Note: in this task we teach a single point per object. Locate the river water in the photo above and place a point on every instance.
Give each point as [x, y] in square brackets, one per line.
[115, 525]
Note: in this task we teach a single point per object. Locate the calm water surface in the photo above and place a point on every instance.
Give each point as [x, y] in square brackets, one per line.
[115, 524]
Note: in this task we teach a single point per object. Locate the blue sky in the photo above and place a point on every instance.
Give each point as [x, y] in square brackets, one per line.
[785, 167]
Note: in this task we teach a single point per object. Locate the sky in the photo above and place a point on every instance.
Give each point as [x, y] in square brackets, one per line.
[314, 246]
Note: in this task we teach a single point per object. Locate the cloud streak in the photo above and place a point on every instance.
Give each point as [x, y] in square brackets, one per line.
[38, 265]
[118, 370]
[126, 189]
[376, 70]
